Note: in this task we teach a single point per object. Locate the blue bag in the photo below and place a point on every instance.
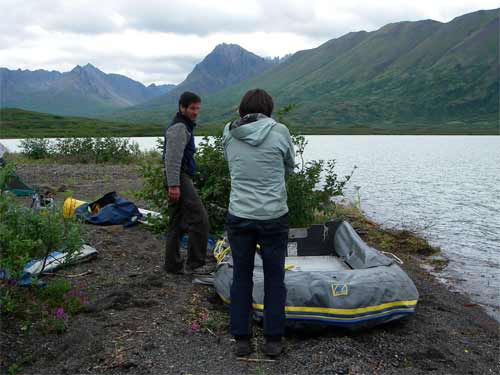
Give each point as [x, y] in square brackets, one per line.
[109, 210]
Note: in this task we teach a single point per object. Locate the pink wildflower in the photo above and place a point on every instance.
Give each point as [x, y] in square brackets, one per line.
[60, 312]
[204, 316]
[195, 327]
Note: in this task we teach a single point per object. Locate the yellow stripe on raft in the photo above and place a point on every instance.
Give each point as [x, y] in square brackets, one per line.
[327, 310]
[402, 310]
[360, 310]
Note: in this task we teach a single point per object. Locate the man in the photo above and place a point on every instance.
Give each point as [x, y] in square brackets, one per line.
[259, 152]
[186, 211]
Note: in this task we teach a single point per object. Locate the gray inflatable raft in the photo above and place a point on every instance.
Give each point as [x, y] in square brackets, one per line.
[333, 277]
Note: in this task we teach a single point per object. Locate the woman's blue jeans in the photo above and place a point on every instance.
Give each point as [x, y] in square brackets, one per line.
[272, 236]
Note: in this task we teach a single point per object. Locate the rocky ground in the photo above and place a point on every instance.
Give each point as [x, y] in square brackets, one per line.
[141, 320]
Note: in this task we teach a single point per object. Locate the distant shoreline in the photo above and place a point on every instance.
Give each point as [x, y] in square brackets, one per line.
[19, 124]
[6, 133]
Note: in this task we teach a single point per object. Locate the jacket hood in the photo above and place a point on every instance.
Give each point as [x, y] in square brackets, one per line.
[252, 128]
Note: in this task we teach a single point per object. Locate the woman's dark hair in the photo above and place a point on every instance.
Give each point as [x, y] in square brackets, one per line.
[256, 101]
[187, 98]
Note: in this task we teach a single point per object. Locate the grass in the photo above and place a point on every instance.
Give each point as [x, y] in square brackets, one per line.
[17, 123]
[402, 242]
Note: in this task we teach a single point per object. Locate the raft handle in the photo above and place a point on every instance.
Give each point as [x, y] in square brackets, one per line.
[398, 259]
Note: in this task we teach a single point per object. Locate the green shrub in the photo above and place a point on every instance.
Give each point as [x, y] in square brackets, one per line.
[81, 150]
[154, 192]
[6, 171]
[49, 308]
[36, 148]
[313, 184]
[310, 189]
[96, 150]
[26, 234]
[212, 180]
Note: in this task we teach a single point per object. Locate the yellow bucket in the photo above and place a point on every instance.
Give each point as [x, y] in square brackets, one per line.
[70, 204]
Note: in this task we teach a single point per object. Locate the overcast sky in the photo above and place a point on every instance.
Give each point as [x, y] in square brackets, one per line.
[161, 40]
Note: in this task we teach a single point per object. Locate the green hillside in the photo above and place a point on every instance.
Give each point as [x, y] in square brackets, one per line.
[407, 77]
[18, 123]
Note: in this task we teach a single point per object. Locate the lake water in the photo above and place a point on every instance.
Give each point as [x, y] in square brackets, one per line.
[447, 188]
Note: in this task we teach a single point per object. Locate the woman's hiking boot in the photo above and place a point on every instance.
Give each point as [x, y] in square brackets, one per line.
[243, 347]
[272, 348]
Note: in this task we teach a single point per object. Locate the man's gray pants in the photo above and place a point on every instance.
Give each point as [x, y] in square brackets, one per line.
[188, 215]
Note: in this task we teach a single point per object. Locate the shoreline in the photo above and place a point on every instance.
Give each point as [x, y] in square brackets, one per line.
[213, 131]
[448, 333]
[436, 266]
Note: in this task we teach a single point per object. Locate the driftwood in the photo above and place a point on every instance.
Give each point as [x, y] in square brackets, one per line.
[68, 276]
[244, 359]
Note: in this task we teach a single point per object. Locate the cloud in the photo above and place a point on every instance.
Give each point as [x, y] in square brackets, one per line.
[161, 41]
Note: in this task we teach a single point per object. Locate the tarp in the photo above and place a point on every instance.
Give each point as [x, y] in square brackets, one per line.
[109, 210]
[55, 260]
[16, 186]
[332, 278]
[14, 183]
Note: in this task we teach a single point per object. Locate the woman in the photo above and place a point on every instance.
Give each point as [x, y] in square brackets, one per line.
[259, 152]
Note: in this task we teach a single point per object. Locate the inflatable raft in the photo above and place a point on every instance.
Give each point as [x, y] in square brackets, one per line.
[332, 278]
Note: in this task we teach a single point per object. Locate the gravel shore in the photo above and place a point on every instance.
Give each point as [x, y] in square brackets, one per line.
[142, 320]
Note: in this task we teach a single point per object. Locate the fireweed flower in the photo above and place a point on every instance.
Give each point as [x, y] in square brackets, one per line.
[195, 327]
[60, 312]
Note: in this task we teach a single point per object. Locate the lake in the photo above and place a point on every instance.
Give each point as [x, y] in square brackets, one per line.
[446, 188]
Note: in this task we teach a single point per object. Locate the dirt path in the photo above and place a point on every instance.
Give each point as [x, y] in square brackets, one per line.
[141, 320]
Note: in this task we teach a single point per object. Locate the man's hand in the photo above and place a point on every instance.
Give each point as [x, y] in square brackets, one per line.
[174, 193]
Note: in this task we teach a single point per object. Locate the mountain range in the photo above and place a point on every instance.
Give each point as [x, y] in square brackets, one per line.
[403, 74]
[423, 73]
[85, 90]
[226, 65]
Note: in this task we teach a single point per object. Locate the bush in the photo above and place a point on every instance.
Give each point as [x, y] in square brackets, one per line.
[6, 171]
[48, 308]
[212, 180]
[26, 234]
[313, 184]
[154, 192]
[96, 150]
[81, 150]
[309, 199]
[36, 148]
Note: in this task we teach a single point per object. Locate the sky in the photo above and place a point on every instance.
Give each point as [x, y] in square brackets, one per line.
[160, 41]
